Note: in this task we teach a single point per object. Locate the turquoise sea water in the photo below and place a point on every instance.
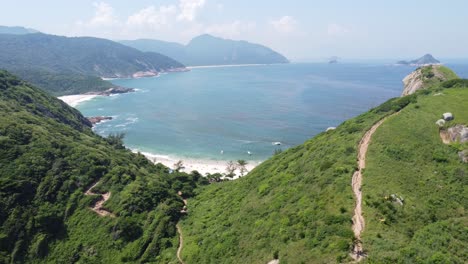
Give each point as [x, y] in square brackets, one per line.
[200, 113]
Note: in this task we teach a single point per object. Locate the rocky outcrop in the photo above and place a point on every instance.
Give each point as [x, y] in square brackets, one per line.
[98, 119]
[463, 155]
[425, 77]
[412, 83]
[458, 133]
[114, 90]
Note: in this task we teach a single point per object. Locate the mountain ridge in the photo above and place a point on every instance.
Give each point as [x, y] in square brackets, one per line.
[52, 61]
[17, 30]
[207, 50]
[425, 60]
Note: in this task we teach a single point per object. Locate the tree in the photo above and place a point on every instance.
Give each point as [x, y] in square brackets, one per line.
[178, 165]
[230, 169]
[277, 151]
[241, 166]
[116, 140]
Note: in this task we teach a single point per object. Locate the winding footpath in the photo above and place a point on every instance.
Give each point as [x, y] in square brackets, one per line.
[181, 244]
[98, 206]
[179, 230]
[358, 219]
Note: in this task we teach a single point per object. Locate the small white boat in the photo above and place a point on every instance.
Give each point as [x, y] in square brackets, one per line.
[250, 153]
[222, 152]
[277, 143]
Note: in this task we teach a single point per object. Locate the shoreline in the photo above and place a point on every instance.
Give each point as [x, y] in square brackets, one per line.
[76, 99]
[226, 66]
[203, 166]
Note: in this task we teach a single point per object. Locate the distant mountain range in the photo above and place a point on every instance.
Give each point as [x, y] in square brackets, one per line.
[65, 65]
[427, 59]
[17, 30]
[209, 50]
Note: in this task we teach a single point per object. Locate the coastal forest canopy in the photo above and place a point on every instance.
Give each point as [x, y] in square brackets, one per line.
[64, 65]
[49, 157]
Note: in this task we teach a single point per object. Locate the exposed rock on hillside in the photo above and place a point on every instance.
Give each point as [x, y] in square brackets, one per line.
[425, 77]
[98, 119]
[458, 133]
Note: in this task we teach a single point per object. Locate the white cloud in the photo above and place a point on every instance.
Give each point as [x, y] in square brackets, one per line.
[189, 9]
[285, 24]
[103, 16]
[152, 17]
[336, 30]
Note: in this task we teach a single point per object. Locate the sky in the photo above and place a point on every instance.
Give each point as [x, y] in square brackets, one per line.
[302, 30]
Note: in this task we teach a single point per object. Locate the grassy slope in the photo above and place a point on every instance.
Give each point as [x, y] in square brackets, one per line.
[409, 160]
[433, 75]
[298, 203]
[48, 157]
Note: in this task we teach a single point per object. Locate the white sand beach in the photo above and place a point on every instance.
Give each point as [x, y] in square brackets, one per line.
[202, 166]
[74, 100]
[225, 66]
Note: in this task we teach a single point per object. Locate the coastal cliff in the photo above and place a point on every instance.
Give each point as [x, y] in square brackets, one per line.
[425, 77]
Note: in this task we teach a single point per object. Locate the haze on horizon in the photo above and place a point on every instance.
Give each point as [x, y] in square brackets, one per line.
[301, 30]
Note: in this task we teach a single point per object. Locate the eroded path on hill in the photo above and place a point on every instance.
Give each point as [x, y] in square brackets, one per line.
[98, 206]
[179, 230]
[181, 244]
[356, 183]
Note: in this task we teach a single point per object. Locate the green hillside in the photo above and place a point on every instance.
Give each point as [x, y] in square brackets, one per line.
[410, 161]
[297, 206]
[49, 157]
[64, 65]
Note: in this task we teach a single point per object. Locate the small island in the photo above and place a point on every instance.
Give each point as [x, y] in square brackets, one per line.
[425, 60]
[333, 60]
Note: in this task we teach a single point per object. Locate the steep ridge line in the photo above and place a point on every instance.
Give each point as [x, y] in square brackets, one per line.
[356, 183]
[98, 206]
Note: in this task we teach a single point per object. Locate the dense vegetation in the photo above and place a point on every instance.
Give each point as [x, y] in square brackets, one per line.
[297, 206]
[49, 157]
[210, 50]
[52, 61]
[60, 84]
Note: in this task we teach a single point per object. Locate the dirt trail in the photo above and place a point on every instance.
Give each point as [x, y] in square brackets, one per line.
[179, 230]
[356, 183]
[181, 244]
[98, 206]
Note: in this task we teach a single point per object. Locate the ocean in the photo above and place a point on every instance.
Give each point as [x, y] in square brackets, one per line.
[226, 113]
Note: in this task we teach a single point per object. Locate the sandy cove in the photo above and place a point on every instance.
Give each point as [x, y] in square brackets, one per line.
[74, 100]
[202, 166]
[225, 66]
